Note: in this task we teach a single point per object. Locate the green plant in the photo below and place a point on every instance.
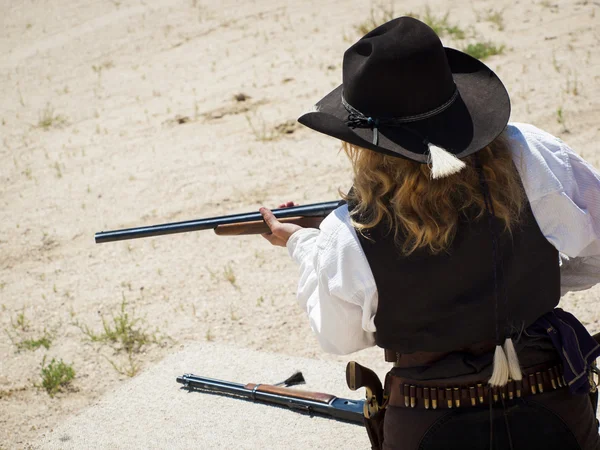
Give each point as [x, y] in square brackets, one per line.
[555, 62]
[103, 66]
[47, 119]
[547, 4]
[496, 18]
[209, 336]
[56, 376]
[572, 84]
[131, 369]
[229, 274]
[123, 332]
[560, 118]
[483, 50]
[261, 131]
[441, 25]
[20, 322]
[58, 170]
[33, 344]
[380, 13]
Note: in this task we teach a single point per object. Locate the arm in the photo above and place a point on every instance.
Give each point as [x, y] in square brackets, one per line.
[578, 274]
[564, 193]
[336, 286]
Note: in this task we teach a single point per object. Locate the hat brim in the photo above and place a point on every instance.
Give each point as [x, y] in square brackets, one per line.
[478, 115]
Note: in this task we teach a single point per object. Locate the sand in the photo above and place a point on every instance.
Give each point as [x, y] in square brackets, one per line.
[118, 114]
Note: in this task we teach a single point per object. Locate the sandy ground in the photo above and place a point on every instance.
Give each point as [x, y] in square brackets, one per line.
[117, 114]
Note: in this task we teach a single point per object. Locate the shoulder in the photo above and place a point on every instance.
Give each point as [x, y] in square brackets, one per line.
[543, 160]
[528, 139]
[530, 133]
[342, 259]
[337, 229]
[338, 242]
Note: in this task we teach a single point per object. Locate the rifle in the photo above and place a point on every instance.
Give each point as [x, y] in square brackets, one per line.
[231, 225]
[312, 403]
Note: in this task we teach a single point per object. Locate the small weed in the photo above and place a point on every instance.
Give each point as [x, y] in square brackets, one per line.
[209, 336]
[483, 50]
[547, 4]
[572, 85]
[33, 344]
[261, 130]
[380, 13]
[131, 369]
[21, 100]
[20, 322]
[260, 300]
[47, 119]
[56, 376]
[229, 274]
[123, 332]
[233, 314]
[560, 118]
[441, 24]
[104, 66]
[555, 62]
[58, 170]
[212, 273]
[496, 18]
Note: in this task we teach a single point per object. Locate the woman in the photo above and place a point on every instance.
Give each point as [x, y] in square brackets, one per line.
[446, 253]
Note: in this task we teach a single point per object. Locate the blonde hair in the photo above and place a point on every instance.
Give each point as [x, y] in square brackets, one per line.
[423, 212]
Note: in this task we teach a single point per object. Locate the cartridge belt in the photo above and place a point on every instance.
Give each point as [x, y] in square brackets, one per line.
[437, 395]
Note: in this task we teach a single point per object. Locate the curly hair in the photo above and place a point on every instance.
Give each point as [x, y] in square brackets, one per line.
[423, 212]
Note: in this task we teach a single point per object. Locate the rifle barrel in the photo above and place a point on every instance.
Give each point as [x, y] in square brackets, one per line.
[312, 210]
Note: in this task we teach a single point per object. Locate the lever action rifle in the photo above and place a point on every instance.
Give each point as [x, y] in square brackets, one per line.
[312, 403]
[232, 225]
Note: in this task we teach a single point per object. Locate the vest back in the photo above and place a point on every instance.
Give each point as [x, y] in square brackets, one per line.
[444, 302]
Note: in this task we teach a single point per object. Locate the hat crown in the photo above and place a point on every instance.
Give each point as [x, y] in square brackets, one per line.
[398, 70]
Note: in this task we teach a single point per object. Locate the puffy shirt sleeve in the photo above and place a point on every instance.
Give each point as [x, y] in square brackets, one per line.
[564, 193]
[336, 286]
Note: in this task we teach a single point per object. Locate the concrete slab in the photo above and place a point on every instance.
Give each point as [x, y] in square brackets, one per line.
[153, 412]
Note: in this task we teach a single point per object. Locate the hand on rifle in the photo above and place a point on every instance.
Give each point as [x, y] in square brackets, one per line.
[280, 232]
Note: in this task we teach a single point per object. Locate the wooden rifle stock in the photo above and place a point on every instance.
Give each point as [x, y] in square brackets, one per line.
[260, 227]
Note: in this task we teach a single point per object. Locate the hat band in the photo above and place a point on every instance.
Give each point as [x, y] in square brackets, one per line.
[357, 119]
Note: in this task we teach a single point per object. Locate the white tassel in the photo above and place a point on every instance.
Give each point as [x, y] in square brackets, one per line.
[513, 360]
[443, 163]
[500, 371]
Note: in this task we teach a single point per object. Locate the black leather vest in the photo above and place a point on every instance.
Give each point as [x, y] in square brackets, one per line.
[445, 302]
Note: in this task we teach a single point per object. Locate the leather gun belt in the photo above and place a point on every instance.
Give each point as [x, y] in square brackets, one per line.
[437, 395]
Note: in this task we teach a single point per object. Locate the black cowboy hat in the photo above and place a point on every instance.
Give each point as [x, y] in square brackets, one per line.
[403, 94]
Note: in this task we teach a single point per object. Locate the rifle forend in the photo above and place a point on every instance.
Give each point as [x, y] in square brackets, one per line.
[224, 225]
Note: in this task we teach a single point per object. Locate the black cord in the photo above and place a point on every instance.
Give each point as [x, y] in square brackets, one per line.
[489, 207]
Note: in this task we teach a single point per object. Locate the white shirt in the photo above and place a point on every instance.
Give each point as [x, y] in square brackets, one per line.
[337, 287]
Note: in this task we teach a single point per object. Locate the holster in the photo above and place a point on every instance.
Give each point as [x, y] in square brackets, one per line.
[374, 427]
